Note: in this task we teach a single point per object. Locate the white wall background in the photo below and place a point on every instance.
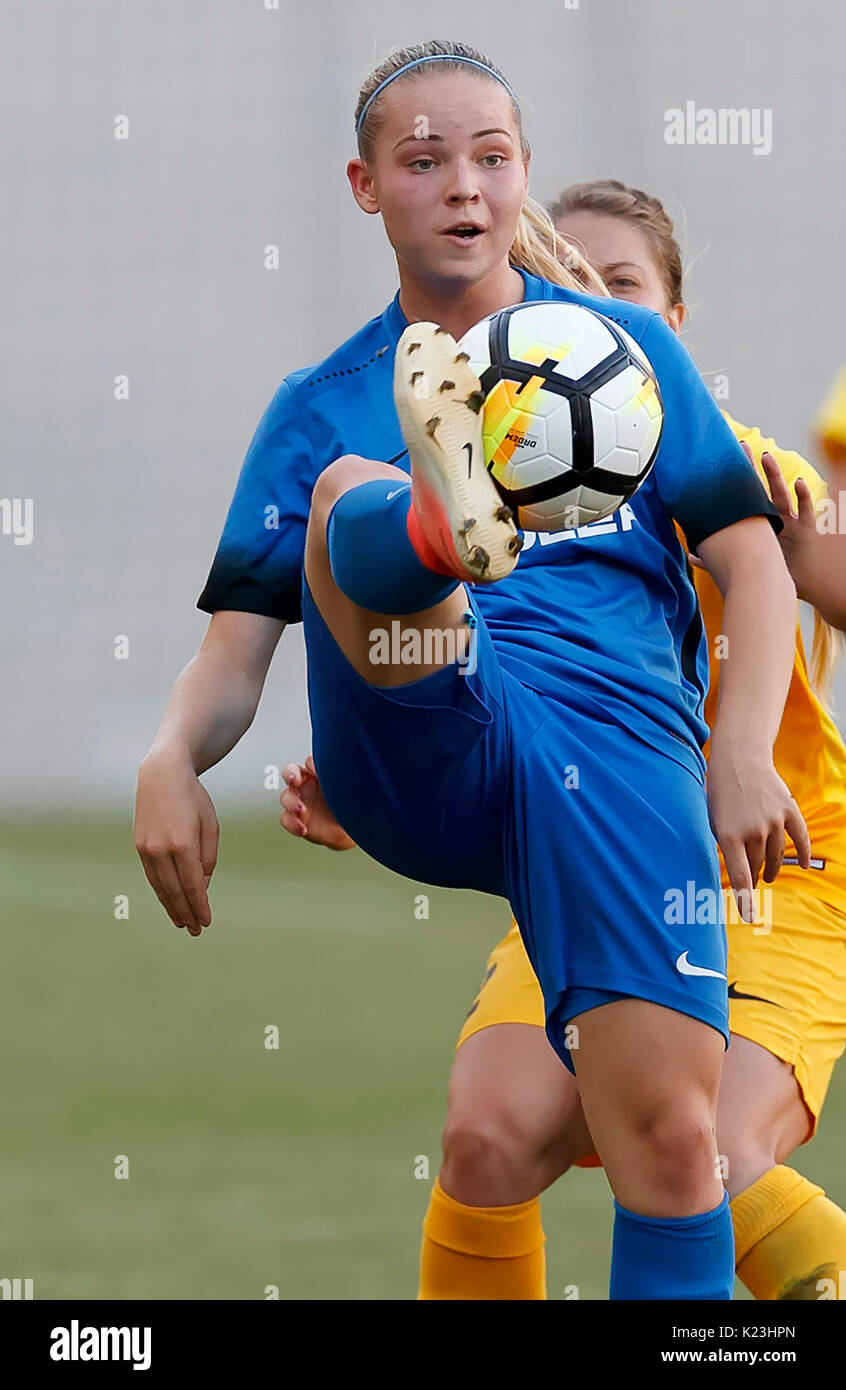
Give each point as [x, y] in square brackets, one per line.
[145, 257]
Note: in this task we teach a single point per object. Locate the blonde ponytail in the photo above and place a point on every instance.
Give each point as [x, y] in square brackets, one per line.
[826, 652]
[541, 250]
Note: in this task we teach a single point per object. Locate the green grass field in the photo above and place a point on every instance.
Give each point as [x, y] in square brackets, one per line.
[248, 1167]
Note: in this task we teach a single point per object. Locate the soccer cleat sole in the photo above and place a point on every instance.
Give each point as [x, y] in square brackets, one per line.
[439, 402]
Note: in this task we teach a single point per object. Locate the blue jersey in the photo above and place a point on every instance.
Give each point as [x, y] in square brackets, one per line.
[605, 618]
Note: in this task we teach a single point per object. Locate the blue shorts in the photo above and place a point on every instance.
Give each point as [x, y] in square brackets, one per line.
[600, 842]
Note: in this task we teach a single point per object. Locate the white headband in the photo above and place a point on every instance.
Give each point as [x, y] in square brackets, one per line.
[430, 58]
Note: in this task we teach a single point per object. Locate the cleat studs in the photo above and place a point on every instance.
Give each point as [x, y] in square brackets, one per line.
[479, 558]
[503, 513]
[475, 401]
[469, 523]
[441, 330]
[432, 425]
[515, 545]
[447, 386]
[412, 347]
[463, 357]
[415, 376]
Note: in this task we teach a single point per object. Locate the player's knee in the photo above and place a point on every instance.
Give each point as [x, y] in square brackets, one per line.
[676, 1149]
[346, 472]
[487, 1161]
[333, 482]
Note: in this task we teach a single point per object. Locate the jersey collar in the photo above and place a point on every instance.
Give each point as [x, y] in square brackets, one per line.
[396, 322]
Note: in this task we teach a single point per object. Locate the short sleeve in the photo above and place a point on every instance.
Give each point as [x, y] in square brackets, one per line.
[259, 560]
[705, 480]
[791, 464]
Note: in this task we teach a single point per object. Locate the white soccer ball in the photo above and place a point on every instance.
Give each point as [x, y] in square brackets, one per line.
[572, 417]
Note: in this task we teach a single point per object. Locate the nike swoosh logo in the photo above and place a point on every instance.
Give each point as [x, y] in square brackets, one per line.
[684, 967]
[396, 492]
[469, 448]
[735, 993]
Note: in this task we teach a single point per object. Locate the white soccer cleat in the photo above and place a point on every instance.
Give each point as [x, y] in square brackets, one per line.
[458, 522]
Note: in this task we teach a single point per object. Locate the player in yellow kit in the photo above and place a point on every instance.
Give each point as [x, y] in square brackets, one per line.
[514, 1121]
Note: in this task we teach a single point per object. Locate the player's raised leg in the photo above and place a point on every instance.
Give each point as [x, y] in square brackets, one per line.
[380, 545]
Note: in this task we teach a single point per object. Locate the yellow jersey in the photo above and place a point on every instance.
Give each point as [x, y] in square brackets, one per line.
[809, 752]
[831, 423]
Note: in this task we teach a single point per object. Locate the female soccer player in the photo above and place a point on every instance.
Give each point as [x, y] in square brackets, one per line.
[590, 654]
[514, 1120]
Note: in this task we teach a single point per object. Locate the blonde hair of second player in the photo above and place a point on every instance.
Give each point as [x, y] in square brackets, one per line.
[615, 199]
[537, 247]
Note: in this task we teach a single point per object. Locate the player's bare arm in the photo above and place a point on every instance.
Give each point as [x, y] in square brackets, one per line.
[212, 705]
[749, 805]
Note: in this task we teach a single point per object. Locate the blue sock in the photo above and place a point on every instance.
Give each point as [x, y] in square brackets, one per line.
[689, 1257]
[371, 556]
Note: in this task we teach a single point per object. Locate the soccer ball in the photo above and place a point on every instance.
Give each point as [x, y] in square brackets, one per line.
[572, 417]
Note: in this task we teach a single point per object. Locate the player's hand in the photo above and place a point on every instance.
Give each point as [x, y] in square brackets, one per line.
[304, 810]
[751, 812]
[799, 525]
[176, 836]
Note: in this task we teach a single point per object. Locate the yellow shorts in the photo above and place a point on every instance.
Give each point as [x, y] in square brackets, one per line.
[793, 965]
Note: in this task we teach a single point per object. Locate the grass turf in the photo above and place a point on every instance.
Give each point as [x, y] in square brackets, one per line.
[248, 1167]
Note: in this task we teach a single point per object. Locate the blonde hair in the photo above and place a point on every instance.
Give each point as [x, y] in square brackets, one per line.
[826, 651]
[614, 199]
[537, 247]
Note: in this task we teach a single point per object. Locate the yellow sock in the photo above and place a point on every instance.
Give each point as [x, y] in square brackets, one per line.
[481, 1252]
[790, 1240]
